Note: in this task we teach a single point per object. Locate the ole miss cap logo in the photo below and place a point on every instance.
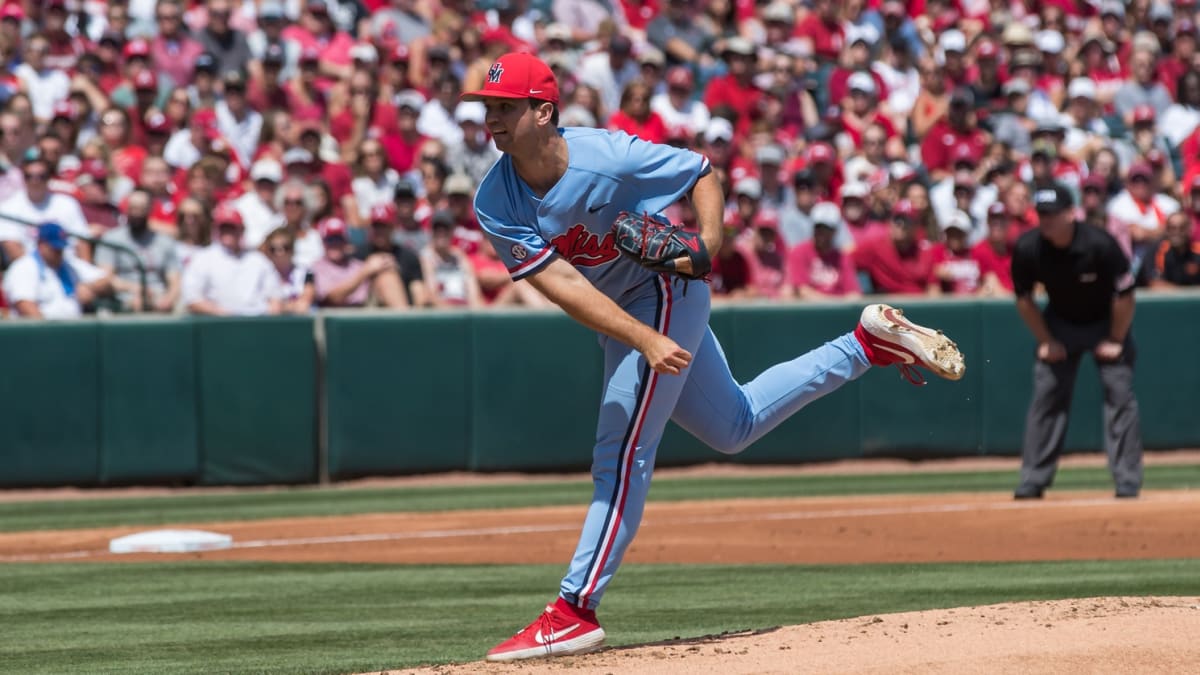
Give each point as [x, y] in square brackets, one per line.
[517, 75]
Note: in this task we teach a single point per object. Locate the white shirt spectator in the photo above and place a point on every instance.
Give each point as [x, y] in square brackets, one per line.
[29, 279]
[243, 134]
[57, 208]
[903, 87]
[436, 122]
[694, 115]
[1126, 215]
[241, 284]
[258, 216]
[945, 206]
[179, 151]
[369, 193]
[596, 72]
[309, 249]
[1178, 122]
[45, 88]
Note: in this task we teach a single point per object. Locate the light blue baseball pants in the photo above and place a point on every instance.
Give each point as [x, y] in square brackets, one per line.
[705, 400]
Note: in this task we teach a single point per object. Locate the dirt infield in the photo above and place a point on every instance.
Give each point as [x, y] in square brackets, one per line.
[1142, 635]
[907, 528]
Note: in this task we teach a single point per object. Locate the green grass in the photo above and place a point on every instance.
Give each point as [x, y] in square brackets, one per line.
[308, 618]
[16, 517]
[54, 515]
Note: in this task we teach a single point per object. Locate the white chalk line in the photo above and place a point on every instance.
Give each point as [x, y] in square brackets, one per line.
[648, 522]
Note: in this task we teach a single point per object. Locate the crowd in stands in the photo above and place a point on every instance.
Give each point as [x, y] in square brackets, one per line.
[278, 156]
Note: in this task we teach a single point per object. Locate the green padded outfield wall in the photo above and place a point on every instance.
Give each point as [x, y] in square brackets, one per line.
[257, 400]
[535, 385]
[148, 425]
[398, 393]
[49, 393]
[235, 401]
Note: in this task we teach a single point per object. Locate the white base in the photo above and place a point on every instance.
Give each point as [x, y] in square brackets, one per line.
[170, 541]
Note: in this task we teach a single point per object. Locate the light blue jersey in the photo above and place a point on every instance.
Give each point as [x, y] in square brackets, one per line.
[607, 172]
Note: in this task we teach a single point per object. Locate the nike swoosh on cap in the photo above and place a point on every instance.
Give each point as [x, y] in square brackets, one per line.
[535, 91]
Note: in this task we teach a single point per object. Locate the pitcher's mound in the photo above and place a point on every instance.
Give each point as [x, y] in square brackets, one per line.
[1113, 635]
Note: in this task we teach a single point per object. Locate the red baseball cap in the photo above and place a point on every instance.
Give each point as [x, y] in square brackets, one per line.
[1095, 180]
[138, 47]
[205, 117]
[13, 11]
[986, 50]
[1142, 169]
[517, 75]
[904, 209]
[157, 123]
[332, 227]
[680, 76]
[226, 214]
[383, 213]
[64, 109]
[93, 169]
[997, 209]
[145, 80]
[1143, 113]
[820, 152]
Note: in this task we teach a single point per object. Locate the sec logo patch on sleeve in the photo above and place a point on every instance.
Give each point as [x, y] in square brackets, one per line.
[519, 252]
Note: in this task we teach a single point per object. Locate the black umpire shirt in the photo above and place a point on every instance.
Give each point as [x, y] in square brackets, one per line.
[1081, 280]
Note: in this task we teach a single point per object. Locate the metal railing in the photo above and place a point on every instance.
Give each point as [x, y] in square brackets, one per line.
[95, 241]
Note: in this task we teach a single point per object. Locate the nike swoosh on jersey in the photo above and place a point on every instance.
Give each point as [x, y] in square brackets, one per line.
[554, 636]
[593, 209]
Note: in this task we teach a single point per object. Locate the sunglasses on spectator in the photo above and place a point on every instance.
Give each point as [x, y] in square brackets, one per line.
[229, 228]
[36, 175]
[293, 202]
[284, 248]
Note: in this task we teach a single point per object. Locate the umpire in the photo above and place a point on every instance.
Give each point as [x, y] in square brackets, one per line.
[1090, 309]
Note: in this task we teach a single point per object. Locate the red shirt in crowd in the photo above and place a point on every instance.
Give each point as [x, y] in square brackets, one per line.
[176, 58]
[729, 273]
[127, 161]
[383, 122]
[831, 272]
[990, 261]
[653, 129]
[891, 272]
[727, 91]
[939, 144]
[877, 119]
[827, 39]
[402, 154]
[958, 273]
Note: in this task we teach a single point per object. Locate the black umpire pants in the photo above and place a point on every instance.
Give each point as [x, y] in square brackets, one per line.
[1053, 386]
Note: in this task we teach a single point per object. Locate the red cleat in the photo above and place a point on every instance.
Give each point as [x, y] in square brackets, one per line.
[561, 630]
[889, 339]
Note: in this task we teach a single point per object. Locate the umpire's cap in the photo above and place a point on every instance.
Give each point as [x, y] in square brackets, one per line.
[1054, 198]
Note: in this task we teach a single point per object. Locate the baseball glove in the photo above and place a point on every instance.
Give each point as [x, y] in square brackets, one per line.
[655, 244]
